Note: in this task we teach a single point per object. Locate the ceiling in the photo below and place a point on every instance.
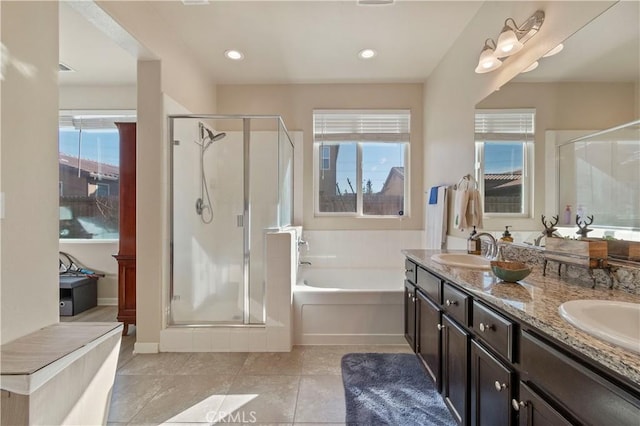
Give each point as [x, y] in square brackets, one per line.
[317, 42]
[94, 57]
[283, 41]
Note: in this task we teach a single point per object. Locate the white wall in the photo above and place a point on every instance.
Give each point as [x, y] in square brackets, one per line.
[453, 89]
[29, 169]
[98, 97]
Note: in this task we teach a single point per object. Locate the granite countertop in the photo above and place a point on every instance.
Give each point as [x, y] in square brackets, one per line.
[535, 301]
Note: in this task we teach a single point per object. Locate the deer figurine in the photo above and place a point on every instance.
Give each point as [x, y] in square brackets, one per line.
[549, 228]
[583, 225]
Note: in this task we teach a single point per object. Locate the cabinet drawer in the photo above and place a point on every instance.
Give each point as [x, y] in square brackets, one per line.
[410, 269]
[496, 331]
[456, 303]
[585, 394]
[430, 284]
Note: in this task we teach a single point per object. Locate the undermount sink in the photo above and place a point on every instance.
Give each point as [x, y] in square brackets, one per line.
[462, 260]
[614, 322]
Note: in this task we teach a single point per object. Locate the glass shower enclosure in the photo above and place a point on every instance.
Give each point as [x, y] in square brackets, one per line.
[231, 181]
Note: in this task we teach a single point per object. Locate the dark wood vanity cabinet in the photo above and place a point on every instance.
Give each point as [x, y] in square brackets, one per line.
[428, 336]
[492, 384]
[533, 410]
[455, 369]
[410, 314]
[493, 370]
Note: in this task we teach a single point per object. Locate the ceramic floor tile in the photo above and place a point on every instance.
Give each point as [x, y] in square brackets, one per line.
[130, 394]
[320, 399]
[213, 363]
[186, 399]
[262, 399]
[273, 363]
[155, 364]
[321, 362]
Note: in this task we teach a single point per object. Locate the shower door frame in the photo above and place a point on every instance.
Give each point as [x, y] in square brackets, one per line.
[246, 214]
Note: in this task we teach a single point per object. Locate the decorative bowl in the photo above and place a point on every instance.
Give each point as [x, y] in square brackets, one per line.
[510, 271]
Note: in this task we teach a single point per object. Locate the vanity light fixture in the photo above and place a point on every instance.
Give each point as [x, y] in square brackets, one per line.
[234, 55]
[367, 53]
[488, 60]
[510, 41]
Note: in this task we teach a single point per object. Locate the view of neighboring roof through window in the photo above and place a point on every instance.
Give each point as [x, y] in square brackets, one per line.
[89, 177]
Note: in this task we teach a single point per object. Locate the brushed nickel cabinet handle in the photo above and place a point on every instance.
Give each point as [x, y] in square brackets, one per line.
[517, 405]
[440, 327]
[485, 327]
[451, 302]
[499, 386]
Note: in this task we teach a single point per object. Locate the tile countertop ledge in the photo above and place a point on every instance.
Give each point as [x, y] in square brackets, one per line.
[535, 301]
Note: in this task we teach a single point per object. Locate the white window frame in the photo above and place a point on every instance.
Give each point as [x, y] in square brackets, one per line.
[528, 151]
[320, 139]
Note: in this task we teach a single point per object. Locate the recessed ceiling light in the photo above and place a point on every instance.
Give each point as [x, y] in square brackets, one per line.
[531, 67]
[375, 2]
[195, 2]
[367, 53]
[553, 51]
[235, 55]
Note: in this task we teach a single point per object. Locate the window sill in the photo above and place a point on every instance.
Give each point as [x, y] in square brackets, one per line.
[86, 241]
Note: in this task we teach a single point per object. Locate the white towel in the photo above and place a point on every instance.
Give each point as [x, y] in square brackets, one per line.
[474, 209]
[437, 220]
[460, 209]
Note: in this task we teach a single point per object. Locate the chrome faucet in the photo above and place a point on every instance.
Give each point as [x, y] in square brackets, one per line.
[493, 247]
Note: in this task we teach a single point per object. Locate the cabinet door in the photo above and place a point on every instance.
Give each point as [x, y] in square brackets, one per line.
[410, 314]
[455, 369]
[491, 389]
[428, 340]
[535, 411]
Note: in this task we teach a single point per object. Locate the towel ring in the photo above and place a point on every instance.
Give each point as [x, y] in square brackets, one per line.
[463, 184]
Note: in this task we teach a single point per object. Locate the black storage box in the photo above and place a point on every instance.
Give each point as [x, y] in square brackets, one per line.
[77, 294]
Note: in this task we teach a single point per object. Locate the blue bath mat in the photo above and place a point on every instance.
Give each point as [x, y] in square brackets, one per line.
[391, 389]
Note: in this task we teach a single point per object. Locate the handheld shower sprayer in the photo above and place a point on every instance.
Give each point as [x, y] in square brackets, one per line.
[205, 141]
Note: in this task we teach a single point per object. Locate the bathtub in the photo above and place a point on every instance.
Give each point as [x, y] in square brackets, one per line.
[349, 306]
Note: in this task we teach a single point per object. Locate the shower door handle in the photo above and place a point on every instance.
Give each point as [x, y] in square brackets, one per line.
[240, 220]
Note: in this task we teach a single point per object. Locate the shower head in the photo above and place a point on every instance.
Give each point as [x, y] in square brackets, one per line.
[214, 137]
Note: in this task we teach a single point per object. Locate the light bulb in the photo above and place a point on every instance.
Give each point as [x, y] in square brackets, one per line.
[508, 43]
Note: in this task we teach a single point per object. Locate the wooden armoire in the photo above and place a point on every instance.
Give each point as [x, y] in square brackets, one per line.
[126, 256]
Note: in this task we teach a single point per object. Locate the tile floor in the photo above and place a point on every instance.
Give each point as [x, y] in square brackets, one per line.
[303, 386]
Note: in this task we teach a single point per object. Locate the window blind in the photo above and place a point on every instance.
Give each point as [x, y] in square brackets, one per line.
[499, 125]
[363, 125]
[94, 122]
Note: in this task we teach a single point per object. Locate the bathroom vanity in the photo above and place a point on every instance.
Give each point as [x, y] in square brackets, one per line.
[500, 354]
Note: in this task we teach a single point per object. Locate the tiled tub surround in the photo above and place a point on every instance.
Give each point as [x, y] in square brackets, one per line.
[535, 301]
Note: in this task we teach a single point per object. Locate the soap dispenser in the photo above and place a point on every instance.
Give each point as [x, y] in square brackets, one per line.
[506, 235]
[474, 246]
